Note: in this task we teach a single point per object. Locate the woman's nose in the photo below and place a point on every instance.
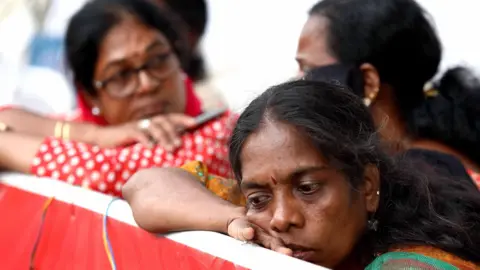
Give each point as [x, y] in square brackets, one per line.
[145, 82]
[287, 214]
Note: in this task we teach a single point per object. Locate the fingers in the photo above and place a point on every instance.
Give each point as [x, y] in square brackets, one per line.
[125, 136]
[162, 130]
[181, 121]
[143, 138]
[283, 250]
[272, 243]
[241, 230]
[165, 130]
[165, 134]
[246, 234]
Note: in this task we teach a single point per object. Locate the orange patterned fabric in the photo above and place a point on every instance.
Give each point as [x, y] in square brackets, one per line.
[224, 188]
[440, 255]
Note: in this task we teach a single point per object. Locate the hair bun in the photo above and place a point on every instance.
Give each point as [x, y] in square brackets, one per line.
[459, 83]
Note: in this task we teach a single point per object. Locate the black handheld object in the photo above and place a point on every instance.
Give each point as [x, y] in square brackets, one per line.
[209, 115]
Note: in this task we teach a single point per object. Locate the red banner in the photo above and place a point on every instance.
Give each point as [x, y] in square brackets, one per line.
[71, 238]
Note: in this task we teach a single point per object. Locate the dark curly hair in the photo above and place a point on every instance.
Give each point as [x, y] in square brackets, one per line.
[89, 26]
[416, 208]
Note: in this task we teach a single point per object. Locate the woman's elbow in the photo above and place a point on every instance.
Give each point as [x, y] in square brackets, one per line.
[132, 193]
[142, 214]
[137, 193]
[129, 189]
[142, 209]
[139, 182]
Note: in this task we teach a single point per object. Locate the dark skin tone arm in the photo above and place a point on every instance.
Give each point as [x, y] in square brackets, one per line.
[162, 199]
[25, 122]
[170, 199]
[167, 200]
[152, 193]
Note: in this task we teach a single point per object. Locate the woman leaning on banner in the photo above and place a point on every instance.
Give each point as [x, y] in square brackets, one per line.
[320, 187]
[136, 106]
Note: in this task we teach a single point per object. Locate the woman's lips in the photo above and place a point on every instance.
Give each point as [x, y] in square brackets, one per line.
[150, 111]
[304, 255]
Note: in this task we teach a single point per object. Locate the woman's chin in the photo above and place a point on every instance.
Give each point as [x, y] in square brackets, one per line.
[148, 113]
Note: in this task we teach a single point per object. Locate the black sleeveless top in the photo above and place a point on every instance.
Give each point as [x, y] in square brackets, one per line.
[442, 163]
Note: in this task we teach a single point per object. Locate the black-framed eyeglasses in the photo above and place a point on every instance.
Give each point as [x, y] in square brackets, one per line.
[125, 83]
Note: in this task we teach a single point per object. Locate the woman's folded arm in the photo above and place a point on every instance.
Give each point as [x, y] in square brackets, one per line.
[171, 199]
[17, 151]
[25, 122]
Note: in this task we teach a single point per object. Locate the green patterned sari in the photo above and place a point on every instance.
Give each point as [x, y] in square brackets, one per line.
[399, 260]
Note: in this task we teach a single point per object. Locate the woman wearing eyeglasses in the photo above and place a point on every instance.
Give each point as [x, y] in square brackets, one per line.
[136, 107]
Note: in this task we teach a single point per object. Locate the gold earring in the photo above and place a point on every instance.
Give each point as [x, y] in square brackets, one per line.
[371, 97]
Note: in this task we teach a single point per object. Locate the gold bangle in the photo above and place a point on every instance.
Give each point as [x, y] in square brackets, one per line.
[58, 129]
[66, 131]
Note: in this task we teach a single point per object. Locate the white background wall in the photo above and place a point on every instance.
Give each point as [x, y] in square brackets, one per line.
[251, 43]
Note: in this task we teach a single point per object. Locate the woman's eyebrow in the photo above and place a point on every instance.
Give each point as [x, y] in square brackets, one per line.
[112, 64]
[246, 185]
[155, 44]
[300, 172]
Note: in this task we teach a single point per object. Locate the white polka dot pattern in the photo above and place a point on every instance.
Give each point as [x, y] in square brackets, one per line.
[106, 170]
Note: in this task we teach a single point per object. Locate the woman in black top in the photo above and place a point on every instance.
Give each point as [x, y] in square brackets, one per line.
[387, 51]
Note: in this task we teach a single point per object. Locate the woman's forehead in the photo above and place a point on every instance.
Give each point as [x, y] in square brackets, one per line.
[130, 38]
[277, 148]
[313, 43]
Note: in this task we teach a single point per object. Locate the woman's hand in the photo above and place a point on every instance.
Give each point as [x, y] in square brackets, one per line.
[243, 230]
[163, 130]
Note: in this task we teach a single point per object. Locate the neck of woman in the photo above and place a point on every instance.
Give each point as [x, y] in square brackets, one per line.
[390, 124]
[361, 255]
[394, 130]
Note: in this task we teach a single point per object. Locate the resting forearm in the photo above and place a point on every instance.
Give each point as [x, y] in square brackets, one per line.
[17, 151]
[23, 121]
[166, 200]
